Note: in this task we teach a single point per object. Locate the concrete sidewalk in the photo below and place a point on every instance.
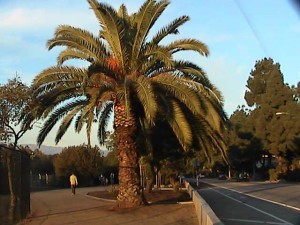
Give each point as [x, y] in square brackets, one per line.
[58, 207]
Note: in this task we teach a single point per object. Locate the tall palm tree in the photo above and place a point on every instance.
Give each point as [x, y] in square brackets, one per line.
[133, 77]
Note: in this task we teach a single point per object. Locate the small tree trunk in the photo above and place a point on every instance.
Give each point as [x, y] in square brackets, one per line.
[10, 178]
[150, 179]
[254, 171]
[173, 182]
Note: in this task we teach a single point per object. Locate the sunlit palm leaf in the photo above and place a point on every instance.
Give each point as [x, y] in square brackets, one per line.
[112, 29]
[172, 28]
[182, 92]
[146, 96]
[70, 53]
[145, 18]
[188, 44]
[59, 75]
[181, 126]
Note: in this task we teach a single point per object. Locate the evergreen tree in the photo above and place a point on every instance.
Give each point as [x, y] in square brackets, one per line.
[244, 149]
[275, 111]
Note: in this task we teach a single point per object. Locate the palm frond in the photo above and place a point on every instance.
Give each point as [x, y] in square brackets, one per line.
[91, 47]
[59, 74]
[73, 32]
[78, 122]
[171, 28]
[157, 53]
[78, 44]
[123, 12]
[179, 68]
[70, 53]
[89, 123]
[103, 119]
[189, 69]
[66, 123]
[188, 45]
[146, 96]
[180, 126]
[174, 87]
[59, 113]
[112, 28]
[145, 18]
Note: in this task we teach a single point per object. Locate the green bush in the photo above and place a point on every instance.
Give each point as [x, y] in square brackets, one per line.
[293, 175]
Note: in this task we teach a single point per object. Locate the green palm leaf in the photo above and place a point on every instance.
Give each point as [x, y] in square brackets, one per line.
[57, 114]
[112, 28]
[172, 28]
[70, 53]
[66, 123]
[181, 126]
[173, 86]
[63, 75]
[104, 115]
[188, 44]
[147, 15]
[146, 96]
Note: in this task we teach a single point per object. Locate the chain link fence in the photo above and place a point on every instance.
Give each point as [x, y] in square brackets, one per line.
[14, 185]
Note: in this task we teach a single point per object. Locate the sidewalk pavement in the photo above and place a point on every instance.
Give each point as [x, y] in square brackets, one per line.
[59, 207]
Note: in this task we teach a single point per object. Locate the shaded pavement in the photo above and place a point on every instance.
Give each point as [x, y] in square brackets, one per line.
[60, 207]
[253, 202]
[285, 194]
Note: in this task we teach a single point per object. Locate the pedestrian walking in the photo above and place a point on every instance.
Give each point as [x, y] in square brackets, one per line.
[102, 180]
[112, 178]
[73, 183]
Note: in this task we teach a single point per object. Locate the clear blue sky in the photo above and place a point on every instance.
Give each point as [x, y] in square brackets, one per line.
[237, 32]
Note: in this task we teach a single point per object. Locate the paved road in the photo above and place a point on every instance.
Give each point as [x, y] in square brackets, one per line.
[243, 203]
[59, 207]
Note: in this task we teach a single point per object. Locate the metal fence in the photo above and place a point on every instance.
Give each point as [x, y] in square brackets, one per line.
[16, 165]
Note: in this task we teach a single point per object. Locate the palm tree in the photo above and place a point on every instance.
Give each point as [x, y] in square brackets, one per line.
[133, 77]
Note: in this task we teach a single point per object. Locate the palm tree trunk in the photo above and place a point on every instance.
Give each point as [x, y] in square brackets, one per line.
[130, 191]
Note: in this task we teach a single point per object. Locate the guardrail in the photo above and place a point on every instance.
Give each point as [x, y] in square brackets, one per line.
[204, 213]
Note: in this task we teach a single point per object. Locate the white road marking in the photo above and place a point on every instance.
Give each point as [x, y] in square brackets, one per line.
[252, 207]
[252, 221]
[253, 196]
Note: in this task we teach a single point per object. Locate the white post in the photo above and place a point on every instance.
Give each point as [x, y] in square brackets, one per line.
[141, 175]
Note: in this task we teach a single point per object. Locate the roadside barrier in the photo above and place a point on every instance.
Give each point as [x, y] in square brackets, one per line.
[204, 213]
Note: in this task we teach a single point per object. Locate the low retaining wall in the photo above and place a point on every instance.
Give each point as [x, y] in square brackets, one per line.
[204, 213]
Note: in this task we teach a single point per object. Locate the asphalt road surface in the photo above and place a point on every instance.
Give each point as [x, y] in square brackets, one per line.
[251, 203]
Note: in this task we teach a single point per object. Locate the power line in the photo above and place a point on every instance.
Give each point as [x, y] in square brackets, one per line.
[254, 31]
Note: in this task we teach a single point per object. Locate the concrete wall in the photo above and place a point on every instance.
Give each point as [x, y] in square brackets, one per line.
[204, 213]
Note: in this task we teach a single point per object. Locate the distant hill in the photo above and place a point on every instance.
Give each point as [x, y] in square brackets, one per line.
[48, 150]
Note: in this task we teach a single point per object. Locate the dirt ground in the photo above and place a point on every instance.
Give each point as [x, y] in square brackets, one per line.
[165, 207]
[154, 197]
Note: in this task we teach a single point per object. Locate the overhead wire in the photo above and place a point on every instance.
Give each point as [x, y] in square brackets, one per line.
[254, 31]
